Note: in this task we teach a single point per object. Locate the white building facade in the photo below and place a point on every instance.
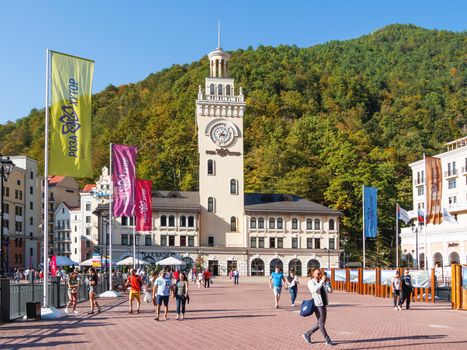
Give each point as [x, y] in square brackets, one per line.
[445, 243]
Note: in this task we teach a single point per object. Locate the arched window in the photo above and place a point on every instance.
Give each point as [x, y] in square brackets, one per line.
[280, 223]
[438, 260]
[272, 223]
[183, 221]
[309, 224]
[227, 90]
[312, 264]
[317, 224]
[296, 265]
[294, 224]
[163, 220]
[171, 221]
[191, 221]
[219, 89]
[211, 89]
[211, 168]
[454, 258]
[233, 224]
[233, 186]
[257, 267]
[252, 222]
[211, 204]
[331, 225]
[261, 223]
[275, 263]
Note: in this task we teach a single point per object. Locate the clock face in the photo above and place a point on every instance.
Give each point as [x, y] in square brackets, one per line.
[222, 134]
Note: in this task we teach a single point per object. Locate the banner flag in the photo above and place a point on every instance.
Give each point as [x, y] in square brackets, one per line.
[143, 205]
[404, 215]
[448, 217]
[123, 179]
[70, 129]
[53, 266]
[433, 187]
[370, 215]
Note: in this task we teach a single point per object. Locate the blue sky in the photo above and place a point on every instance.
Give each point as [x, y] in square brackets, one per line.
[131, 39]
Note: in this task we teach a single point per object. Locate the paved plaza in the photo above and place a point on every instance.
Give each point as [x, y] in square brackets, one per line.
[243, 317]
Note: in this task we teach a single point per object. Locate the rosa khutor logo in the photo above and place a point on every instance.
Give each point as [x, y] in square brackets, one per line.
[70, 120]
[124, 183]
[143, 207]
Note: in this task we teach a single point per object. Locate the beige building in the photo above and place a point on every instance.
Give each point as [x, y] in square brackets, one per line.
[220, 226]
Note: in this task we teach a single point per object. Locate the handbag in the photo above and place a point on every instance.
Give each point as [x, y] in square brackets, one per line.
[307, 308]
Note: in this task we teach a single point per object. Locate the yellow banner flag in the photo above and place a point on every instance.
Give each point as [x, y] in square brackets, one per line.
[70, 126]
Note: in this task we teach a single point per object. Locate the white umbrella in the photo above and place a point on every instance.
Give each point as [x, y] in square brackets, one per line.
[86, 262]
[129, 261]
[171, 261]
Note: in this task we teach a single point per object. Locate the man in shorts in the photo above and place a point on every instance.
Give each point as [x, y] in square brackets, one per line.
[275, 282]
[135, 282]
[161, 293]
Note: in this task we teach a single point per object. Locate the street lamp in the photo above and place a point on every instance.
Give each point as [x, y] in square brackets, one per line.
[344, 244]
[329, 258]
[416, 229]
[138, 237]
[6, 167]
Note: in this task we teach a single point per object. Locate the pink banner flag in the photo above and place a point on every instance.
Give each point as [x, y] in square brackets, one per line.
[53, 266]
[143, 205]
[123, 179]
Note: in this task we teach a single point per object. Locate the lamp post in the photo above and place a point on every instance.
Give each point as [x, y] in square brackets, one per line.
[344, 244]
[329, 258]
[138, 237]
[416, 229]
[6, 166]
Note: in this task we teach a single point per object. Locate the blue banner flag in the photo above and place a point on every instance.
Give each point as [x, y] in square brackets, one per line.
[370, 215]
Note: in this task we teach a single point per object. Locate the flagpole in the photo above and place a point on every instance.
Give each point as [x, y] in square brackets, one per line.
[110, 218]
[363, 207]
[134, 225]
[425, 251]
[45, 302]
[397, 235]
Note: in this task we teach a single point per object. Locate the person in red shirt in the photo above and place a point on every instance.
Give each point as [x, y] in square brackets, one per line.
[135, 282]
[207, 278]
[176, 276]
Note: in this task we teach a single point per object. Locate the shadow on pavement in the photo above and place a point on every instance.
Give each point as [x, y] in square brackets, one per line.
[40, 345]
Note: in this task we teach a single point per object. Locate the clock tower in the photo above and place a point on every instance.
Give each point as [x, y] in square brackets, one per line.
[219, 117]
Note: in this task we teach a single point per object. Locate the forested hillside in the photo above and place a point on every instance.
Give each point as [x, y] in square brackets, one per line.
[320, 121]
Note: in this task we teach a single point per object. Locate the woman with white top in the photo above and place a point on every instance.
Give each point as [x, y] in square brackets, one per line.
[396, 288]
[292, 283]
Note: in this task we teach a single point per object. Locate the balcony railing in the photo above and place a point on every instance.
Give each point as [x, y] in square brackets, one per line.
[418, 182]
[451, 173]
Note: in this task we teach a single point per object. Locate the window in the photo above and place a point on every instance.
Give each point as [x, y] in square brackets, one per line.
[19, 226]
[191, 221]
[233, 224]
[421, 190]
[18, 182]
[210, 204]
[317, 224]
[6, 208]
[452, 200]
[18, 211]
[261, 242]
[16, 194]
[163, 240]
[332, 243]
[219, 89]
[210, 241]
[88, 243]
[272, 223]
[332, 226]
[211, 167]
[451, 183]
[88, 206]
[211, 89]
[147, 240]
[294, 224]
[191, 241]
[233, 186]
[76, 250]
[252, 222]
[20, 195]
[31, 221]
[88, 219]
[182, 241]
[183, 221]
[124, 221]
[309, 243]
[31, 205]
[280, 243]
[280, 223]
[317, 243]
[163, 220]
[171, 241]
[171, 221]
[76, 239]
[88, 231]
[252, 242]
[261, 223]
[272, 242]
[7, 192]
[31, 190]
[294, 243]
[309, 224]
[124, 239]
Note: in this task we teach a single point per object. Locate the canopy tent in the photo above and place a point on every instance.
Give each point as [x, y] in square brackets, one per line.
[129, 262]
[171, 261]
[65, 261]
[89, 262]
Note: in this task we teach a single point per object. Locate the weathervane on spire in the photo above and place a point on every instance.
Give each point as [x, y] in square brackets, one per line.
[219, 36]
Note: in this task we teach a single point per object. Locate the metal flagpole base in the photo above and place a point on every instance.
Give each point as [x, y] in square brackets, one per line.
[110, 294]
[51, 313]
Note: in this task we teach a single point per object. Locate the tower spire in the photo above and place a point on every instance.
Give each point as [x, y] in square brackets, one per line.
[219, 35]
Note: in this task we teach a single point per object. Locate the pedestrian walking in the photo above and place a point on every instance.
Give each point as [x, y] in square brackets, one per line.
[135, 282]
[406, 290]
[73, 287]
[319, 287]
[231, 276]
[236, 276]
[275, 282]
[292, 283]
[207, 278]
[181, 295]
[161, 293]
[396, 288]
[200, 279]
[92, 287]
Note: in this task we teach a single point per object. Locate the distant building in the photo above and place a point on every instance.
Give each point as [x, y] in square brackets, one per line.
[447, 242]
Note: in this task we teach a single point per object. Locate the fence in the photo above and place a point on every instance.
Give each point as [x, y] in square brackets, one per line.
[377, 282]
[459, 287]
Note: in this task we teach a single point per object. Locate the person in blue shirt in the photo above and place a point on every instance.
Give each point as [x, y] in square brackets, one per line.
[275, 282]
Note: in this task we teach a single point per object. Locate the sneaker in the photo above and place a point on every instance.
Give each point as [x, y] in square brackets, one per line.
[75, 312]
[395, 308]
[66, 310]
[399, 308]
[329, 342]
[307, 338]
[293, 305]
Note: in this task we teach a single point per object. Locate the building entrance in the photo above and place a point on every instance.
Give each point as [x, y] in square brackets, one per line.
[231, 265]
[214, 267]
